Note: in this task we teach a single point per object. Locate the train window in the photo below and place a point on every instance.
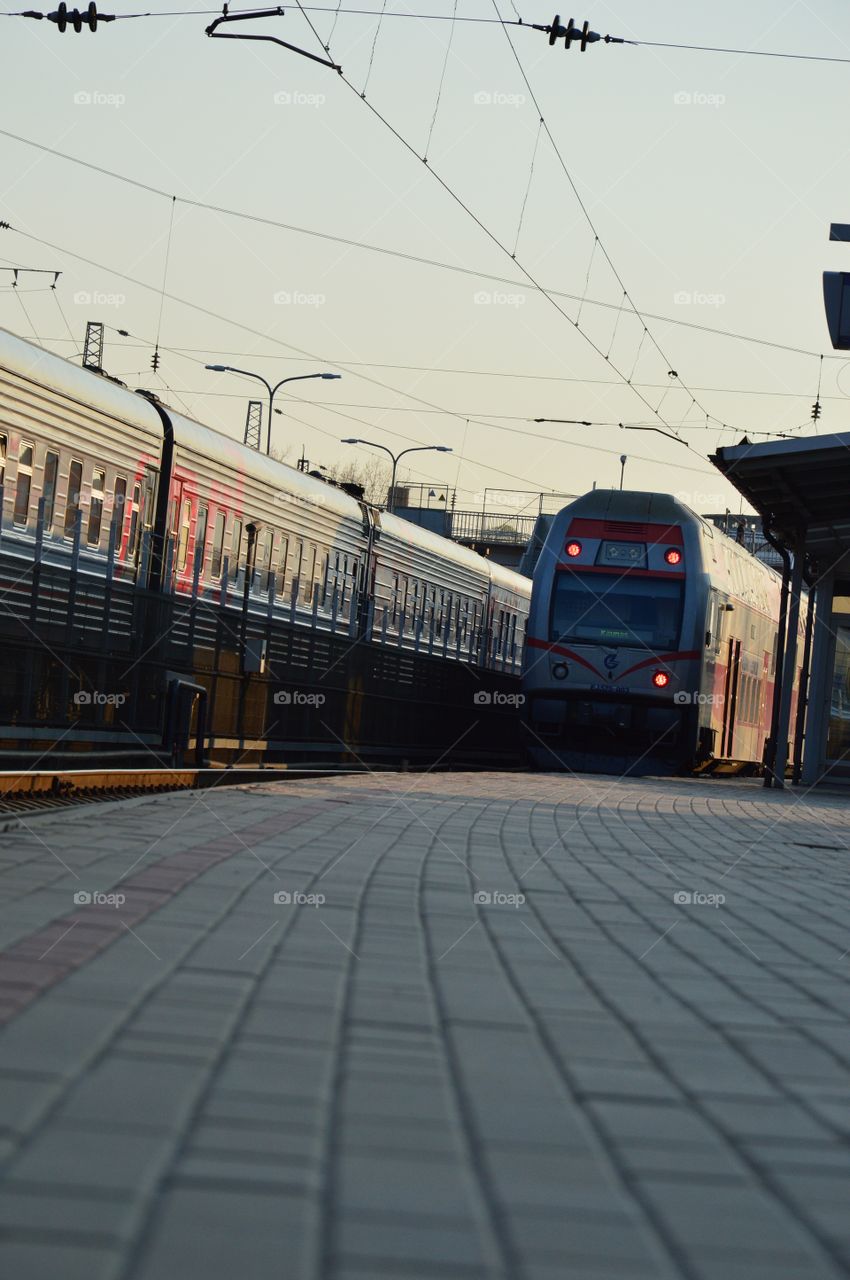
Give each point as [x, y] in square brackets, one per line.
[72, 497]
[135, 523]
[183, 540]
[51, 476]
[201, 537]
[263, 561]
[308, 573]
[119, 501]
[621, 611]
[324, 565]
[24, 483]
[218, 545]
[3, 443]
[281, 567]
[235, 548]
[98, 485]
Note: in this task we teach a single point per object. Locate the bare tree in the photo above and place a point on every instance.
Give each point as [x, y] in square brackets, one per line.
[373, 473]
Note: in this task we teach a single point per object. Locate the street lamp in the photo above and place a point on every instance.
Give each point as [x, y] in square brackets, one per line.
[272, 390]
[417, 448]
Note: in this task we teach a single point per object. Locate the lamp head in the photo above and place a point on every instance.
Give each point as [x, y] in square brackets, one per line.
[217, 368]
[330, 375]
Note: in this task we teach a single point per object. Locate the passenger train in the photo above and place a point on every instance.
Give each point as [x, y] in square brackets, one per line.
[128, 486]
[651, 640]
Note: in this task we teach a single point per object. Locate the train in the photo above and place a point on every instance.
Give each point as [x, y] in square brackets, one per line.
[651, 642]
[101, 481]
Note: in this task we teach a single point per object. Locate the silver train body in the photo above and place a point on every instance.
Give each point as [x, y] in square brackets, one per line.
[172, 504]
[651, 640]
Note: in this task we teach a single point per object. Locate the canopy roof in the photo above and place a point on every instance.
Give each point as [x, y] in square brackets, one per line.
[802, 487]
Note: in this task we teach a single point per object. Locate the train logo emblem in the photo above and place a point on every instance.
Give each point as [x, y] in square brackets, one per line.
[610, 662]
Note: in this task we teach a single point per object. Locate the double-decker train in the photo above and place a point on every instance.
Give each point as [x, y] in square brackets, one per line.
[96, 479]
[651, 640]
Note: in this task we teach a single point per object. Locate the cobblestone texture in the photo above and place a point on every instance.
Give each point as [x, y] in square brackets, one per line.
[488, 1041]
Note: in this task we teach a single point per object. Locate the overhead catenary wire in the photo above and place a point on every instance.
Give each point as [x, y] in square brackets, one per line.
[417, 259]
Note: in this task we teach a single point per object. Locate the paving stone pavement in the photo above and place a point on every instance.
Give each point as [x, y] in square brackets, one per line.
[401, 1027]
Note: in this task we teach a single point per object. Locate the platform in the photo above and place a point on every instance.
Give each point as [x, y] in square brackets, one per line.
[428, 1027]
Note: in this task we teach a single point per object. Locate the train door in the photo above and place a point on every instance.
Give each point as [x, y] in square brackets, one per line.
[730, 696]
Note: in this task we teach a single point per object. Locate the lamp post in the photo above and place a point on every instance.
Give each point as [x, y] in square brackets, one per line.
[418, 448]
[272, 390]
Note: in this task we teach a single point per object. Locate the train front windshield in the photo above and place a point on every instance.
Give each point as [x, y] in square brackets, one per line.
[597, 608]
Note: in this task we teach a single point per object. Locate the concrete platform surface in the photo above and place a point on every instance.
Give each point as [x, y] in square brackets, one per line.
[407, 1027]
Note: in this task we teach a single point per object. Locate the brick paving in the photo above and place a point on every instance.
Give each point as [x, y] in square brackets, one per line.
[409, 1027]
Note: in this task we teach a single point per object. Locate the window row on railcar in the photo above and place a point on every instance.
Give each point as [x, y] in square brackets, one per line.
[76, 490]
[207, 543]
[414, 606]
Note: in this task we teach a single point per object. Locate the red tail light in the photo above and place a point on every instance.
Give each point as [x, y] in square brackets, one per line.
[573, 549]
[660, 679]
[673, 556]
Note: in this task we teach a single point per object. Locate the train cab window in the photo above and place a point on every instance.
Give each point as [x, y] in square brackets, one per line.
[183, 535]
[51, 477]
[98, 484]
[218, 545]
[24, 484]
[72, 497]
[642, 613]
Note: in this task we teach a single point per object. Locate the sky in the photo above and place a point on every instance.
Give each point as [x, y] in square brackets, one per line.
[702, 183]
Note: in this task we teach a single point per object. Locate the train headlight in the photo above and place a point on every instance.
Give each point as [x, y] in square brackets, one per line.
[660, 679]
[560, 671]
[672, 556]
[573, 549]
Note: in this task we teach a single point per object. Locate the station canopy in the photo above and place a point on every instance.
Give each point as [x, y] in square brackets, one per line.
[801, 486]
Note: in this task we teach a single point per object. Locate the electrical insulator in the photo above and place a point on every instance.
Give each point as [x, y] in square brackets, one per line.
[63, 15]
[816, 411]
[155, 361]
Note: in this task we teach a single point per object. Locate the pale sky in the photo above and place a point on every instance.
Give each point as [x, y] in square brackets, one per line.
[711, 179]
